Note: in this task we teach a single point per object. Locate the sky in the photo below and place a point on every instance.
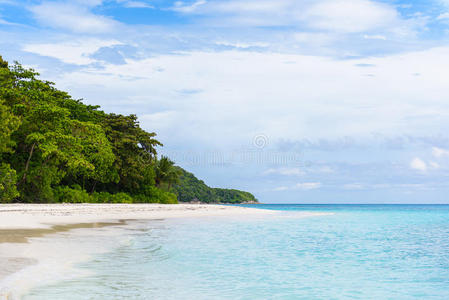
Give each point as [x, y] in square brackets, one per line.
[295, 101]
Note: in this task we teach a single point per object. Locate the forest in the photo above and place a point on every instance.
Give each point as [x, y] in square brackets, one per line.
[54, 148]
[191, 188]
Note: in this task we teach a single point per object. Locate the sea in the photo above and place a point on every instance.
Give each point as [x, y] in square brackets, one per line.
[337, 252]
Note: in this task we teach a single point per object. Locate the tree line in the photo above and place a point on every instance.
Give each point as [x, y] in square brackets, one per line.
[191, 188]
[54, 148]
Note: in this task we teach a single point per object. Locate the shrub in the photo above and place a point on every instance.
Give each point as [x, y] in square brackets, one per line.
[151, 194]
[121, 198]
[8, 189]
[72, 194]
[102, 197]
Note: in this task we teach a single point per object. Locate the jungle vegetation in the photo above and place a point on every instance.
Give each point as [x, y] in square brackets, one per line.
[191, 189]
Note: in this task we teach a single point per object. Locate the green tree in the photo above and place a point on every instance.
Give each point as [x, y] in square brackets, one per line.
[191, 188]
[8, 123]
[50, 143]
[8, 190]
[134, 149]
[166, 172]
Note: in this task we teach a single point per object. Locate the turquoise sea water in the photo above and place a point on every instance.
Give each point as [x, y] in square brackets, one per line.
[358, 252]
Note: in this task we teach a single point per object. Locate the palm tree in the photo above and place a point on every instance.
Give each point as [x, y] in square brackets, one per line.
[166, 172]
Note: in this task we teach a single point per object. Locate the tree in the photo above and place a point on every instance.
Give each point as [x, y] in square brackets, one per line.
[134, 149]
[98, 153]
[8, 124]
[50, 144]
[8, 190]
[166, 172]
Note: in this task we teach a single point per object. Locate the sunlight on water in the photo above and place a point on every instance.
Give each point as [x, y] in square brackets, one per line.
[360, 252]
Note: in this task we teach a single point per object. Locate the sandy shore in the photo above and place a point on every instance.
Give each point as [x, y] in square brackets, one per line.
[21, 226]
[29, 216]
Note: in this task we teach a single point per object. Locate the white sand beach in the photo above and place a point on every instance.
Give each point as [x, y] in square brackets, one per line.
[28, 216]
[37, 239]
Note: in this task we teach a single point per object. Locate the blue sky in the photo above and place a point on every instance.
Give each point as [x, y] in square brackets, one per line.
[323, 101]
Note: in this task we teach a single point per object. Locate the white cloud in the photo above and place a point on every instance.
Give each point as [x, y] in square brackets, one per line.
[294, 171]
[439, 152]
[323, 169]
[314, 37]
[4, 22]
[434, 165]
[307, 186]
[418, 164]
[242, 45]
[235, 6]
[303, 186]
[443, 16]
[281, 188]
[187, 8]
[137, 4]
[164, 118]
[343, 16]
[354, 186]
[295, 101]
[285, 171]
[73, 52]
[350, 15]
[73, 17]
[89, 3]
[374, 37]
[386, 186]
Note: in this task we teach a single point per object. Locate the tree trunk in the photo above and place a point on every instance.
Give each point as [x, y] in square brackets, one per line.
[27, 165]
[93, 188]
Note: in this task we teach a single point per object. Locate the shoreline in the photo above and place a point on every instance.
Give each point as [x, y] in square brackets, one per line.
[29, 216]
[24, 226]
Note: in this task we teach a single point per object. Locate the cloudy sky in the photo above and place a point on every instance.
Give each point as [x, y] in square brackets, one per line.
[308, 101]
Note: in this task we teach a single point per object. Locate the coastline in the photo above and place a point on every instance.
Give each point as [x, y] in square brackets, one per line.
[28, 216]
[28, 230]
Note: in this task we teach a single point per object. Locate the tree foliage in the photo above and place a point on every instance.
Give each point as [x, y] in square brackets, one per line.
[166, 173]
[191, 189]
[54, 148]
